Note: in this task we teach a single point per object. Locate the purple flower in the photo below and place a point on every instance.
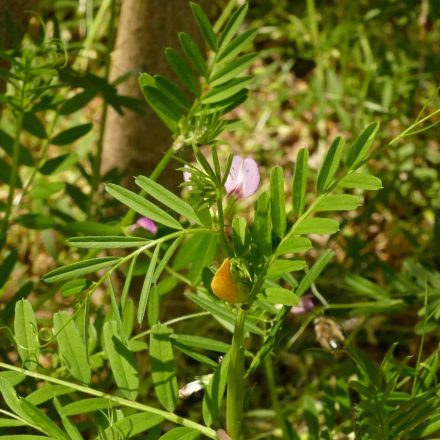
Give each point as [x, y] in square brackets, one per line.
[145, 223]
[305, 305]
[244, 177]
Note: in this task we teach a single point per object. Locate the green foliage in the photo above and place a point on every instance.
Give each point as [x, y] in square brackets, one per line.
[102, 365]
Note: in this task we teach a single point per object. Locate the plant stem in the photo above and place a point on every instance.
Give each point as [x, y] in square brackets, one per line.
[40, 162]
[221, 220]
[118, 400]
[274, 397]
[96, 167]
[235, 394]
[14, 175]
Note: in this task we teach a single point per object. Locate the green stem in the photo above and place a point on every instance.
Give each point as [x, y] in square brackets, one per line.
[82, 59]
[14, 175]
[221, 220]
[235, 394]
[174, 418]
[270, 376]
[41, 160]
[96, 171]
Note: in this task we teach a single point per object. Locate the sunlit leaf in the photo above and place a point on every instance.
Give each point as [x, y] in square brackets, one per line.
[361, 145]
[79, 269]
[72, 347]
[26, 334]
[146, 286]
[360, 181]
[182, 70]
[314, 273]
[279, 295]
[317, 225]
[299, 185]
[337, 202]
[122, 361]
[193, 53]
[277, 201]
[168, 198]
[163, 367]
[107, 242]
[142, 206]
[204, 25]
[331, 164]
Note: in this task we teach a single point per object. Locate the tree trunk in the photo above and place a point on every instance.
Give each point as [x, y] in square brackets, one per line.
[134, 142]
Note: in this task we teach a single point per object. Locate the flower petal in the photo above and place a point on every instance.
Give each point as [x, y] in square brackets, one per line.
[251, 177]
[145, 223]
[233, 176]
[243, 178]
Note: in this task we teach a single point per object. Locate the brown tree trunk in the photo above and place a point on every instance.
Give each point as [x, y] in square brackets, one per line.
[134, 142]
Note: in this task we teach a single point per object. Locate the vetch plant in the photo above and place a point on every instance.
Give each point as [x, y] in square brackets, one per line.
[248, 274]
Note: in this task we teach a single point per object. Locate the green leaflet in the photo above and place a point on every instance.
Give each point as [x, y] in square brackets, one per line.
[201, 342]
[182, 70]
[204, 26]
[26, 334]
[40, 419]
[79, 269]
[277, 201]
[236, 46]
[220, 312]
[142, 206]
[279, 295]
[227, 90]
[71, 134]
[360, 181]
[163, 367]
[262, 228]
[214, 392]
[193, 53]
[122, 361]
[146, 286]
[85, 406]
[280, 267]
[69, 426]
[314, 273]
[170, 119]
[231, 70]
[72, 347]
[232, 25]
[299, 185]
[317, 225]
[330, 165]
[107, 242]
[167, 198]
[337, 202]
[132, 425]
[181, 433]
[294, 245]
[361, 145]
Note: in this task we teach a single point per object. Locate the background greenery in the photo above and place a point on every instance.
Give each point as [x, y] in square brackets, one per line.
[323, 69]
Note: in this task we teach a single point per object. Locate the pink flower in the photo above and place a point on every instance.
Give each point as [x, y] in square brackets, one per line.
[305, 305]
[243, 178]
[145, 223]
